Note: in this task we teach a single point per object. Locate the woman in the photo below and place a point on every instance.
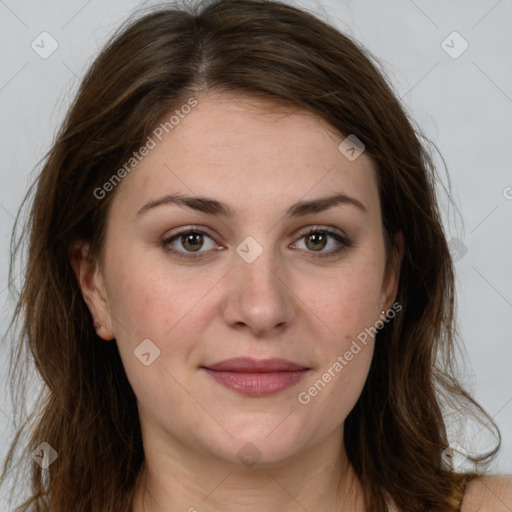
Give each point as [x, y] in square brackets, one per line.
[238, 290]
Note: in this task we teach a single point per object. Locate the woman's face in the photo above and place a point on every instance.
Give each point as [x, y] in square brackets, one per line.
[262, 269]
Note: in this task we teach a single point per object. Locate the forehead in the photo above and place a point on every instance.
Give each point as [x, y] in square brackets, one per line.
[240, 148]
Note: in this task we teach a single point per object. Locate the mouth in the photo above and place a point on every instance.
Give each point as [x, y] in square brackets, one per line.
[256, 377]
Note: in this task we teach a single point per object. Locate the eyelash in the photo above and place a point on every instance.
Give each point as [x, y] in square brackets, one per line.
[340, 238]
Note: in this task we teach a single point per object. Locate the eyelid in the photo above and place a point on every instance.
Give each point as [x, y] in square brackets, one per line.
[325, 229]
[191, 227]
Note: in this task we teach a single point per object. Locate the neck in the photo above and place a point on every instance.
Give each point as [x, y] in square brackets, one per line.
[177, 479]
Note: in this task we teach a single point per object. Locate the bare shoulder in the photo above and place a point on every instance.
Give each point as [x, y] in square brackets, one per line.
[488, 494]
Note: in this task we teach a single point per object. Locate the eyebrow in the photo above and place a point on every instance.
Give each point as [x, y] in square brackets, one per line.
[212, 206]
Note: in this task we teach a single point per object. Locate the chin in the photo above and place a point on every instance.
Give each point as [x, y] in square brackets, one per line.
[261, 443]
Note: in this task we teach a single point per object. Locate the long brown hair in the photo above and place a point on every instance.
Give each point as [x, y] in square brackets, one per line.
[86, 412]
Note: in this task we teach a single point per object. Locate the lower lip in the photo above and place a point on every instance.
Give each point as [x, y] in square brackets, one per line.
[257, 384]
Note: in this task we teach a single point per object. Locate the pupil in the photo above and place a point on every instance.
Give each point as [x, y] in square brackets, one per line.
[192, 241]
[316, 237]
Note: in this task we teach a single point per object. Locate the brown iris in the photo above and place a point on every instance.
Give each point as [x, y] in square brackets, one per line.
[318, 241]
[192, 241]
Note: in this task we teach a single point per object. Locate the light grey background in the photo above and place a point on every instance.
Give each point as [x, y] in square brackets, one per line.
[463, 104]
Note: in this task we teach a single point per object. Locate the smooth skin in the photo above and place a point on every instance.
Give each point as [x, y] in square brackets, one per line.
[290, 302]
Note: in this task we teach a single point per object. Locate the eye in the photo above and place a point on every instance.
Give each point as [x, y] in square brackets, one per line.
[317, 239]
[189, 241]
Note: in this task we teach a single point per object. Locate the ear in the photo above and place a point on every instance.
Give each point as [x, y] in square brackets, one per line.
[93, 289]
[392, 272]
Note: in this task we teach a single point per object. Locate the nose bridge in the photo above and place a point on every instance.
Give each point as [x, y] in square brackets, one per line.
[258, 295]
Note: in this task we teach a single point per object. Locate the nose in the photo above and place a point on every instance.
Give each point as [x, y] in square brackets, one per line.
[258, 297]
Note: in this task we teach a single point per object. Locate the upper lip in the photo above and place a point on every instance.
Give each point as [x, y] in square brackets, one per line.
[250, 365]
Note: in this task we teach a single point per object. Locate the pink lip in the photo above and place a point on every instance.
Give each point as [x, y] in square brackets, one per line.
[248, 364]
[255, 377]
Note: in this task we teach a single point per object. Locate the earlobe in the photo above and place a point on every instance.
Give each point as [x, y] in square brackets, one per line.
[92, 287]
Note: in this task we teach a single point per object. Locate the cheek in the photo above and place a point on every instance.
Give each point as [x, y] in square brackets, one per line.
[149, 300]
[346, 301]
[336, 385]
[348, 382]
[171, 309]
[150, 317]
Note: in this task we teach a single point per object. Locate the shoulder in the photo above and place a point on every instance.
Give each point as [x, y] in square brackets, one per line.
[488, 494]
